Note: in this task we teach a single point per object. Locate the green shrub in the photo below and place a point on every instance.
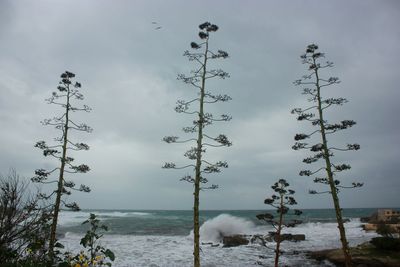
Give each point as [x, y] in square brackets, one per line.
[385, 230]
[386, 243]
[95, 254]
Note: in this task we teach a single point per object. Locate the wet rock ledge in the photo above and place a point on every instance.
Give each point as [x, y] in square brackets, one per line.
[239, 240]
[364, 255]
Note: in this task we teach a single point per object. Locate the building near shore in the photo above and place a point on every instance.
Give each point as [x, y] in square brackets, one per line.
[388, 217]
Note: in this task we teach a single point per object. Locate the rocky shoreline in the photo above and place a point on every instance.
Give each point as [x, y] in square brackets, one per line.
[240, 240]
[364, 255]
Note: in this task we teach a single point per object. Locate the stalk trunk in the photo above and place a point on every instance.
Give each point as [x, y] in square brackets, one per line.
[278, 234]
[333, 189]
[59, 185]
[92, 251]
[196, 224]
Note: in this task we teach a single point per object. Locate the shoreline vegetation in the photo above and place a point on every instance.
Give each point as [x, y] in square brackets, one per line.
[365, 254]
[382, 251]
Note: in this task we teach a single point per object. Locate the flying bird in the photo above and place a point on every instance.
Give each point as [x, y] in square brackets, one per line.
[156, 24]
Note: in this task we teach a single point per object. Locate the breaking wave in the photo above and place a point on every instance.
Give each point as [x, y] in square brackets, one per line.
[70, 218]
[213, 230]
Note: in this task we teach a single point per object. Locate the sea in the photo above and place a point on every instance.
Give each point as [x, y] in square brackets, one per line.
[158, 238]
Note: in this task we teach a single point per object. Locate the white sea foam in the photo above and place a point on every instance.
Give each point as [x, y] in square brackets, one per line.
[122, 214]
[70, 218]
[325, 236]
[214, 229]
[146, 250]
[168, 251]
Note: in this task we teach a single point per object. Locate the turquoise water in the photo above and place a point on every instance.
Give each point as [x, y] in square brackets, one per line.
[180, 222]
[163, 238]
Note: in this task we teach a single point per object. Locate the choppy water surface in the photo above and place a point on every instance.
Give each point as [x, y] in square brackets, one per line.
[163, 238]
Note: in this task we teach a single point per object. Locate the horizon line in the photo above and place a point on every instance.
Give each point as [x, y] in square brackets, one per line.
[133, 209]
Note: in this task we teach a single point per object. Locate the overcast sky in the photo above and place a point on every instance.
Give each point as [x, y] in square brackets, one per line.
[128, 72]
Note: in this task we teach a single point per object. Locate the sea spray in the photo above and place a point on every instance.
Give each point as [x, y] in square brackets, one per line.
[213, 230]
[160, 238]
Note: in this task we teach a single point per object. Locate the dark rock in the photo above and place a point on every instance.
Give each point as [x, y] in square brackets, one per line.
[258, 239]
[289, 237]
[365, 219]
[269, 238]
[298, 237]
[371, 219]
[239, 240]
[296, 252]
[210, 244]
[234, 241]
[361, 257]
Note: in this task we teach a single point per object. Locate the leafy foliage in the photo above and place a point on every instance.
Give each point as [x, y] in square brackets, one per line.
[387, 230]
[95, 254]
[386, 243]
[23, 224]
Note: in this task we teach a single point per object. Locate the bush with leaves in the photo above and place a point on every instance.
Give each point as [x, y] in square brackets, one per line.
[22, 221]
[386, 243]
[388, 230]
[281, 202]
[95, 254]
